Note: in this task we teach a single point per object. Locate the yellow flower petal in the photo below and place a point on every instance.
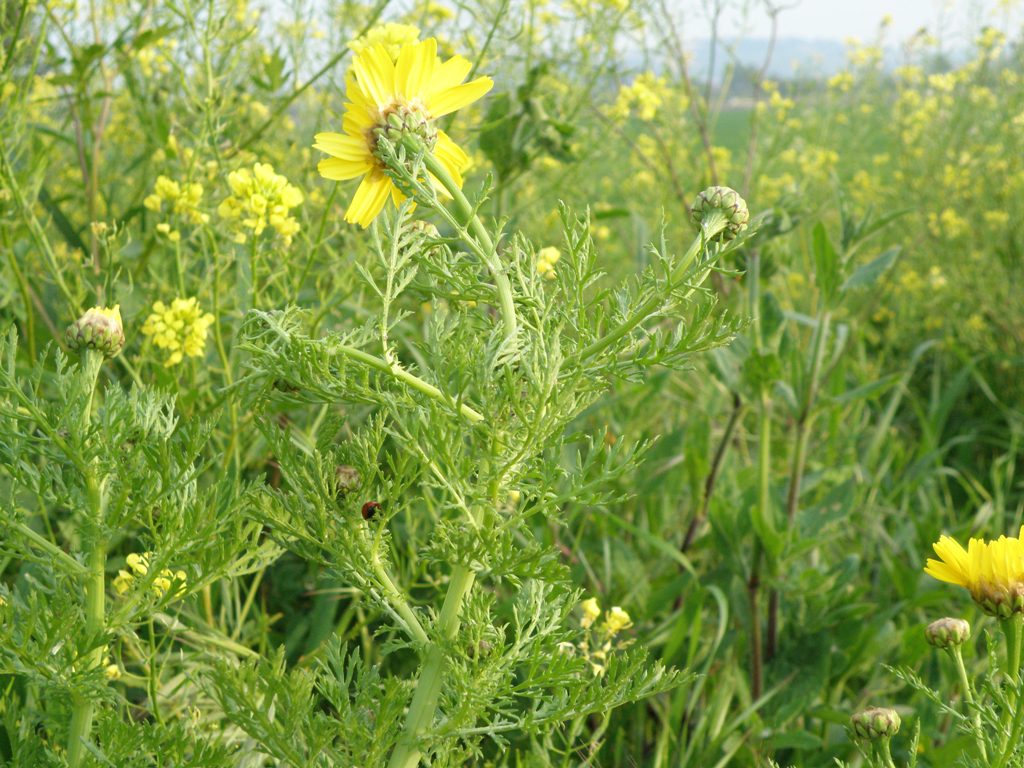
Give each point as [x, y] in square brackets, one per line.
[945, 572]
[415, 67]
[449, 75]
[451, 155]
[369, 199]
[342, 146]
[337, 169]
[455, 98]
[375, 74]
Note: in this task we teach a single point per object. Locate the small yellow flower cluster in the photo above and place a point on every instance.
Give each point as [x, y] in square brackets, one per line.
[546, 260]
[841, 83]
[615, 621]
[260, 197]
[182, 200]
[139, 566]
[645, 96]
[391, 35]
[433, 10]
[110, 670]
[156, 57]
[948, 224]
[179, 329]
[976, 323]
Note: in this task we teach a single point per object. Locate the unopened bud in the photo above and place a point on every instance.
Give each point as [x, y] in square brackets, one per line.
[876, 723]
[404, 121]
[948, 633]
[100, 329]
[726, 201]
[346, 479]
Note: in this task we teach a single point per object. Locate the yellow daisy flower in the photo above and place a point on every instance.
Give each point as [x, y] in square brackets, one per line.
[407, 93]
[992, 571]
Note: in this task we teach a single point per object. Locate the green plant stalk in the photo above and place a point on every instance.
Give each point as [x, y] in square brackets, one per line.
[763, 509]
[886, 754]
[95, 580]
[803, 434]
[484, 247]
[51, 549]
[710, 227]
[405, 377]
[965, 685]
[26, 294]
[431, 675]
[1013, 718]
[1011, 737]
[38, 234]
[399, 603]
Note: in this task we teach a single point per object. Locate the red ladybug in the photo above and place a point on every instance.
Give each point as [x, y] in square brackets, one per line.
[370, 509]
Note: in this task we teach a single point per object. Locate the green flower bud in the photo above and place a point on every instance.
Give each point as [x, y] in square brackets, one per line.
[876, 723]
[1001, 601]
[726, 201]
[347, 479]
[403, 121]
[99, 329]
[948, 633]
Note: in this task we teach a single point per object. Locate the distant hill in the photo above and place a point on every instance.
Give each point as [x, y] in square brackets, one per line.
[792, 56]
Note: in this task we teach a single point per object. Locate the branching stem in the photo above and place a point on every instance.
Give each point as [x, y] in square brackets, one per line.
[483, 247]
[431, 677]
[712, 226]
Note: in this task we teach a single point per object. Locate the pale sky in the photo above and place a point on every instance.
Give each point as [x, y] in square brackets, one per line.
[839, 19]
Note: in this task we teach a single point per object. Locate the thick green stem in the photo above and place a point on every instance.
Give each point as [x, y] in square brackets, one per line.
[484, 247]
[431, 676]
[1011, 737]
[1013, 718]
[886, 754]
[965, 684]
[95, 579]
[711, 227]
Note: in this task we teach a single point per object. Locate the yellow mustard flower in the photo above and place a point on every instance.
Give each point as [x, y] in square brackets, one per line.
[260, 198]
[591, 610]
[391, 35]
[138, 563]
[546, 260]
[179, 329]
[645, 95]
[413, 90]
[616, 620]
[182, 198]
[992, 571]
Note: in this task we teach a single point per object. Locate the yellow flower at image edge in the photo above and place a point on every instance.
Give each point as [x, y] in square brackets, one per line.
[992, 571]
[179, 329]
[387, 96]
